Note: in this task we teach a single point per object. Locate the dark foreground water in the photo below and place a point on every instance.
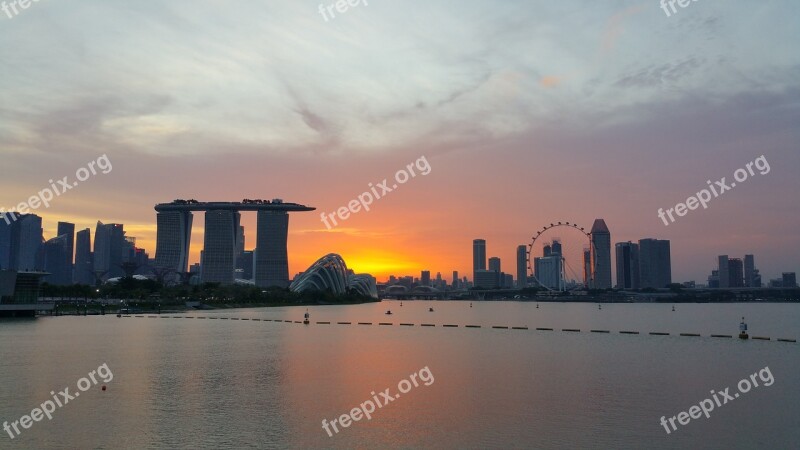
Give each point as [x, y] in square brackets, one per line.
[201, 383]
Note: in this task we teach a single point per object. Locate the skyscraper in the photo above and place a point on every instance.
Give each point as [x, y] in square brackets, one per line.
[26, 242]
[56, 260]
[246, 264]
[173, 239]
[724, 273]
[587, 267]
[478, 257]
[655, 264]
[68, 229]
[219, 246]
[109, 243]
[749, 271]
[425, 278]
[84, 263]
[601, 257]
[272, 259]
[522, 266]
[455, 279]
[494, 264]
[789, 280]
[736, 271]
[627, 265]
[5, 239]
[555, 248]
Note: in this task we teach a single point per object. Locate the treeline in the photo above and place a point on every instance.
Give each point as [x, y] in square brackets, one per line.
[150, 291]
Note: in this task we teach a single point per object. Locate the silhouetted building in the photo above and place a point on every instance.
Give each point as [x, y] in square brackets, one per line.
[601, 257]
[245, 263]
[84, 261]
[587, 267]
[109, 245]
[173, 238]
[749, 271]
[723, 271]
[655, 265]
[455, 279]
[6, 225]
[486, 279]
[713, 279]
[522, 266]
[26, 243]
[68, 229]
[736, 272]
[478, 257]
[56, 261]
[627, 254]
[789, 280]
[219, 246]
[548, 271]
[425, 278]
[494, 264]
[555, 248]
[272, 259]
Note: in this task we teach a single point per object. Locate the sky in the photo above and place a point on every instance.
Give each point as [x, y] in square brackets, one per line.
[528, 113]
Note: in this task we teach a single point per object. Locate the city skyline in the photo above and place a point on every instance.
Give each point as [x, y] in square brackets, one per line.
[624, 127]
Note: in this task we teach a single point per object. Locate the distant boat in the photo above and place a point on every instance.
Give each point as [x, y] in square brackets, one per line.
[401, 303]
[599, 306]
[673, 307]
[388, 312]
[305, 317]
[537, 306]
[430, 309]
[470, 304]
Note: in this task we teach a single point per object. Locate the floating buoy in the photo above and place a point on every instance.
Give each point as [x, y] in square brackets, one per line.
[743, 330]
[103, 388]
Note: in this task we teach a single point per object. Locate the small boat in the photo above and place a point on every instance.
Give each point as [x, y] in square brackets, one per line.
[673, 307]
[305, 317]
[430, 309]
[470, 304]
[599, 306]
[388, 312]
[401, 303]
[537, 306]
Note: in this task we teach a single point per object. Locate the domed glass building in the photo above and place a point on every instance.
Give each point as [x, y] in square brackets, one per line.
[330, 273]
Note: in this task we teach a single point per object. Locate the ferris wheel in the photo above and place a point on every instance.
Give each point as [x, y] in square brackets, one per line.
[553, 270]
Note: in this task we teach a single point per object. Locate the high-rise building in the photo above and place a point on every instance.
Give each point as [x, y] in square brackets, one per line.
[26, 243]
[723, 271]
[219, 246]
[455, 279]
[246, 264]
[789, 280]
[522, 266]
[56, 261]
[555, 247]
[272, 259]
[425, 278]
[494, 264]
[587, 267]
[627, 265]
[173, 239]
[736, 272]
[655, 264]
[548, 271]
[749, 271]
[68, 229]
[109, 244]
[478, 257]
[601, 257]
[84, 263]
[547, 250]
[6, 226]
[486, 279]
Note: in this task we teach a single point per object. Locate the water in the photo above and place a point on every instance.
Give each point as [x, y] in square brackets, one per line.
[199, 383]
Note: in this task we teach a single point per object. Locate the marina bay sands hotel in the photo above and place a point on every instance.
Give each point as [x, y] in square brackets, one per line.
[223, 239]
